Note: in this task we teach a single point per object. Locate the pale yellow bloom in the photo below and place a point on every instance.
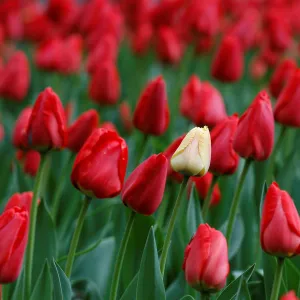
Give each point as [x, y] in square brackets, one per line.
[192, 157]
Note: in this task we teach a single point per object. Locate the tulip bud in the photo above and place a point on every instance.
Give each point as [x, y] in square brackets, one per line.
[144, 189]
[100, 166]
[203, 184]
[228, 63]
[280, 224]
[109, 126]
[224, 160]
[254, 137]
[206, 265]
[15, 78]
[154, 99]
[20, 129]
[126, 118]
[289, 296]
[13, 235]
[258, 68]
[22, 201]
[142, 39]
[30, 160]
[281, 75]
[168, 153]
[81, 129]
[285, 111]
[104, 87]
[192, 157]
[47, 124]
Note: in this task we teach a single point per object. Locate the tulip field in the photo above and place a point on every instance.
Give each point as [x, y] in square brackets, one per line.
[149, 150]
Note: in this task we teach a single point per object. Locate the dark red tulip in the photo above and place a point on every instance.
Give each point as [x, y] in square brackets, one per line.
[285, 111]
[126, 117]
[154, 99]
[281, 75]
[81, 129]
[58, 10]
[30, 160]
[228, 63]
[13, 235]
[254, 137]
[280, 224]
[100, 166]
[143, 190]
[206, 265]
[104, 87]
[142, 38]
[22, 201]
[291, 295]
[47, 124]
[224, 160]
[20, 131]
[15, 77]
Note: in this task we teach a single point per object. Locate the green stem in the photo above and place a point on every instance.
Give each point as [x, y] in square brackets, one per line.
[205, 296]
[32, 227]
[235, 201]
[142, 149]
[60, 187]
[274, 154]
[5, 291]
[120, 257]
[277, 279]
[208, 196]
[171, 226]
[76, 235]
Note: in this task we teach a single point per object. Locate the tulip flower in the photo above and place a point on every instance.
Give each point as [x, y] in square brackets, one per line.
[143, 190]
[291, 295]
[15, 77]
[100, 166]
[280, 224]
[254, 137]
[224, 160]
[142, 38]
[126, 118]
[81, 129]
[228, 63]
[46, 126]
[58, 10]
[104, 87]
[206, 265]
[281, 75]
[30, 160]
[154, 99]
[13, 236]
[2, 134]
[22, 201]
[109, 126]
[285, 111]
[19, 133]
[192, 157]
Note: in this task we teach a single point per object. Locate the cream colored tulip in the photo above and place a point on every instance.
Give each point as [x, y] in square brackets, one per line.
[192, 157]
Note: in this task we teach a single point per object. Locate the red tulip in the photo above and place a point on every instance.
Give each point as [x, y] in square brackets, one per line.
[254, 137]
[109, 126]
[100, 166]
[13, 235]
[206, 263]
[258, 68]
[19, 133]
[281, 75]
[58, 10]
[30, 160]
[15, 77]
[204, 44]
[126, 118]
[228, 63]
[47, 124]
[280, 224]
[203, 184]
[142, 39]
[104, 87]
[2, 134]
[168, 153]
[22, 201]
[289, 296]
[224, 160]
[285, 111]
[144, 189]
[81, 129]
[154, 100]
[168, 45]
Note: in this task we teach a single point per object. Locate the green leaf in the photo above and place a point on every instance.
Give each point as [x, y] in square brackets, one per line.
[231, 290]
[130, 292]
[243, 291]
[262, 197]
[19, 292]
[150, 283]
[87, 289]
[43, 250]
[61, 283]
[43, 286]
[176, 289]
[187, 297]
[291, 276]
